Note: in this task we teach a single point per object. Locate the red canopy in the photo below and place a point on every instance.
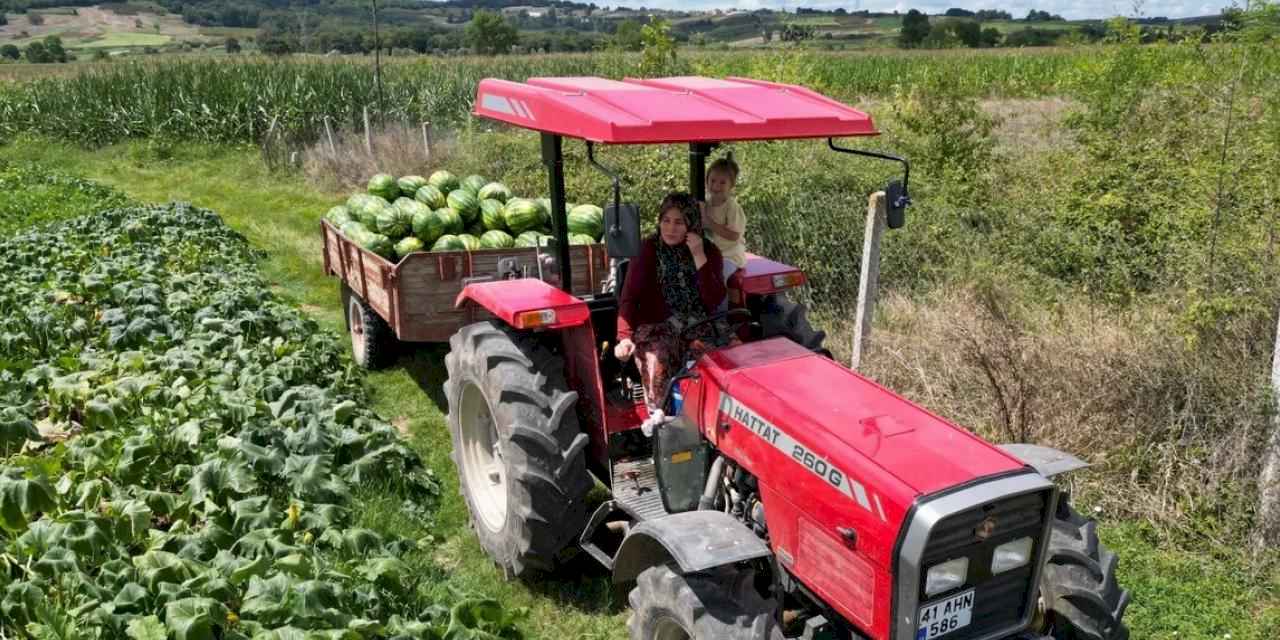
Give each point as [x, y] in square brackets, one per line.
[685, 109]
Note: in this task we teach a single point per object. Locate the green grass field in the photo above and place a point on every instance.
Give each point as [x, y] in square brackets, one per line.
[1176, 594]
[114, 39]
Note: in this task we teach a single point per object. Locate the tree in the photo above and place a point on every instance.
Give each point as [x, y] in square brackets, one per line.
[232, 45]
[3, 20]
[490, 33]
[915, 28]
[993, 14]
[1267, 530]
[991, 37]
[36, 53]
[10, 51]
[627, 37]
[275, 43]
[659, 55]
[35, 19]
[959, 13]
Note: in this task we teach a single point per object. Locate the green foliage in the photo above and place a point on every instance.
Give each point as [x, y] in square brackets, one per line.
[220, 435]
[489, 33]
[659, 55]
[48, 50]
[31, 195]
[915, 28]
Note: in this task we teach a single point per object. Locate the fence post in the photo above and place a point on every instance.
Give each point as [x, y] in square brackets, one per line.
[368, 137]
[1266, 534]
[426, 138]
[333, 150]
[869, 283]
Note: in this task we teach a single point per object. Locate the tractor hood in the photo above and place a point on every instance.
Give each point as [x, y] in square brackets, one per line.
[879, 439]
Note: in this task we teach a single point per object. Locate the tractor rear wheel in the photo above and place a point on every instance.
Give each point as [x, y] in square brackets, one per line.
[782, 317]
[372, 341]
[721, 603]
[517, 446]
[1080, 597]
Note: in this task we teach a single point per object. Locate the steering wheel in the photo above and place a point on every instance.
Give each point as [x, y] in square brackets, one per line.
[735, 316]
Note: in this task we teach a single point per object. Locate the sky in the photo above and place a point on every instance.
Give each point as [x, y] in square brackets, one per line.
[1070, 9]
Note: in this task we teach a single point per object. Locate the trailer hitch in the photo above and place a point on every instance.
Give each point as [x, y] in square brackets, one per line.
[895, 192]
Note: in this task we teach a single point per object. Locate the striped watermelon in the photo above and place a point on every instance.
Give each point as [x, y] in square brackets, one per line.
[527, 239]
[430, 196]
[409, 185]
[474, 184]
[384, 186]
[338, 215]
[587, 219]
[522, 215]
[391, 223]
[428, 227]
[407, 246]
[494, 191]
[469, 242]
[476, 228]
[491, 215]
[448, 242]
[450, 219]
[444, 181]
[495, 239]
[465, 203]
[581, 238]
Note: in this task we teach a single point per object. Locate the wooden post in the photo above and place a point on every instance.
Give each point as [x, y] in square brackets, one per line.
[426, 138]
[1266, 534]
[333, 150]
[869, 284]
[368, 136]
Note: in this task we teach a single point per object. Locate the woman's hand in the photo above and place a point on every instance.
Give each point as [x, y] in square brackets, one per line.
[694, 241]
[624, 349]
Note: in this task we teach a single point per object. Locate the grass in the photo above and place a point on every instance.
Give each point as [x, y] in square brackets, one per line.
[123, 39]
[1176, 594]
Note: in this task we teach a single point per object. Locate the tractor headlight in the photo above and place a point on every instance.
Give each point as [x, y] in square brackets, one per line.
[1011, 555]
[946, 576]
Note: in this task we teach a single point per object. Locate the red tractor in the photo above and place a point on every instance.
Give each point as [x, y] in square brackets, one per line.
[786, 495]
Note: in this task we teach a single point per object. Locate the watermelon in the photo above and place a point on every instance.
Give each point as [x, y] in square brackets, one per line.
[391, 223]
[379, 244]
[527, 239]
[370, 207]
[474, 184]
[448, 242]
[356, 202]
[444, 181]
[522, 215]
[465, 203]
[491, 215]
[495, 239]
[430, 196]
[410, 208]
[581, 238]
[469, 242]
[338, 215]
[545, 204]
[428, 227]
[407, 246]
[353, 228]
[587, 219]
[476, 229]
[451, 220]
[384, 186]
[409, 185]
[494, 191]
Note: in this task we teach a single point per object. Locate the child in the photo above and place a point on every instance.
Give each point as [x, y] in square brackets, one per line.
[722, 216]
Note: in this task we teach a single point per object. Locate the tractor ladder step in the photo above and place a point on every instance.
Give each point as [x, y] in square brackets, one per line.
[635, 489]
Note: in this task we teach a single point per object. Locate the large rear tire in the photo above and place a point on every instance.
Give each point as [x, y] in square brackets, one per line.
[1080, 595]
[712, 605]
[782, 317]
[373, 344]
[516, 445]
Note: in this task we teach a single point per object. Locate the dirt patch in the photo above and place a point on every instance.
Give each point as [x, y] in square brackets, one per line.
[401, 423]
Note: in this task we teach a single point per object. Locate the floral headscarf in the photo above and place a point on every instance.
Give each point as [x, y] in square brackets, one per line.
[677, 273]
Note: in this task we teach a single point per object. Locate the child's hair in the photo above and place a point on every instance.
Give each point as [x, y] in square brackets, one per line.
[727, 166]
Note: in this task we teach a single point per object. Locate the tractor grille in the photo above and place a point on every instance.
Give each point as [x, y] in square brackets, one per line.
[999, 600]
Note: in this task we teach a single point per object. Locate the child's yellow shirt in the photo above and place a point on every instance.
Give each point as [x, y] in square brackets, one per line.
[730, 215]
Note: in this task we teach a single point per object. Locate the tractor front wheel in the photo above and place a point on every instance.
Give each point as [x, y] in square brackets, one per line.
[710, 605]
[372, 341]
[1080, 597]
[517, 446]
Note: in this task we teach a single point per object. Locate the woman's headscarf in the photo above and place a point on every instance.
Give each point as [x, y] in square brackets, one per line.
[677, 273]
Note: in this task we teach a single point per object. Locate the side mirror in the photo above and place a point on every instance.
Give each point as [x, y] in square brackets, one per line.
[896, 200]
[622, 230]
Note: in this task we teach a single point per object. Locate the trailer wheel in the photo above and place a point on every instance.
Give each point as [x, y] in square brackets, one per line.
[372, 341]
[516, 445]
[721, 603]
[1079, 595]
[782, 317]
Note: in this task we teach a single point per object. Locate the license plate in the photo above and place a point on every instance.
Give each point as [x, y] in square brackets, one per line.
[939, 618]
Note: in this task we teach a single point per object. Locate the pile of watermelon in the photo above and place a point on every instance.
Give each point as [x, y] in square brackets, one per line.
[444, 213]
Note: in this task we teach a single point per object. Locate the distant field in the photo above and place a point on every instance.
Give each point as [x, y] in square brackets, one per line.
[117, 39]
[102, 27]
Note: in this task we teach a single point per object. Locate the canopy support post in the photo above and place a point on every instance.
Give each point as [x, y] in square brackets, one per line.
[553, 157]
[698, 152]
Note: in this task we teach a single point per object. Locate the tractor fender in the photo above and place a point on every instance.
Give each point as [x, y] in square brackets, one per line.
[692, 541]
[524, 303]
[1048, 461]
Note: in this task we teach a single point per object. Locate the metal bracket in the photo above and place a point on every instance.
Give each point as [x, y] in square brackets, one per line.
[903, 199]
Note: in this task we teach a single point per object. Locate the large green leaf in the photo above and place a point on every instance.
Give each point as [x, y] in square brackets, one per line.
[148, 628]
[22, 498]
[194, 618]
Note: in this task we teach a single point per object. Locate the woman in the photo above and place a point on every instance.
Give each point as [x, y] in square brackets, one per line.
[675, 282]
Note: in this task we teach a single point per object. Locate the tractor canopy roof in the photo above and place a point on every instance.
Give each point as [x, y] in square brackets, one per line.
[665, 110]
